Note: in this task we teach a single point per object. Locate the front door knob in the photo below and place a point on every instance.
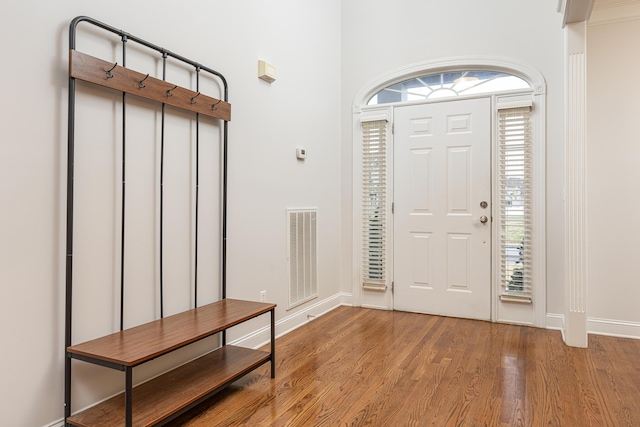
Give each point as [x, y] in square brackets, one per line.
[484, 219]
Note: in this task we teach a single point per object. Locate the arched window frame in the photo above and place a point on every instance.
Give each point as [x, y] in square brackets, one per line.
[448, 85]
[537, 96]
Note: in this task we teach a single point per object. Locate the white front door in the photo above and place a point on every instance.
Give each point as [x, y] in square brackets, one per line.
[442, 232]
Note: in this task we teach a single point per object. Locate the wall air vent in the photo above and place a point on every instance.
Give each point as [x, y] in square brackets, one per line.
[303, 255]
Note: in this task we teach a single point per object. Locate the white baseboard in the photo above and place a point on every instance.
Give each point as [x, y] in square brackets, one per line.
[287, 324]
[56, 424]
[614, 328]
[555, 321]
[595, 326]
[377, 307]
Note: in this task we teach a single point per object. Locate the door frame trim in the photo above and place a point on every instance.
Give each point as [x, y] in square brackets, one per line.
[501, 311]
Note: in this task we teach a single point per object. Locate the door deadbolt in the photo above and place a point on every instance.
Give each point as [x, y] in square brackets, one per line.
[484, 204]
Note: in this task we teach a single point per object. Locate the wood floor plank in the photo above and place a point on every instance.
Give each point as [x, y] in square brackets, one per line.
[357, 367]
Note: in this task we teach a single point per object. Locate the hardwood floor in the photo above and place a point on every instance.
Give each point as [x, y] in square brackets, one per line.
[363, 367]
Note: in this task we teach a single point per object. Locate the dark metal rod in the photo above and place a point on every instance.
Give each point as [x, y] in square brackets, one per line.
[273, 343]
[124, 170]
[106, 364]
[224, 215]
[69, 249]
[164, 76]
[195, 283]
[128, 396]
[224, 208]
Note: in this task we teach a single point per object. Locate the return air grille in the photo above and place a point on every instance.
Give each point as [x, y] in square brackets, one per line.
[303, 256]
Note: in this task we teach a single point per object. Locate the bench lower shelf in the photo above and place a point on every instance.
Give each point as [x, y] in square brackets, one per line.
[175, 391]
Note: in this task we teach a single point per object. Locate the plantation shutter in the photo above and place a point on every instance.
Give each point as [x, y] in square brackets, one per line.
[515, 168]
[374, 205]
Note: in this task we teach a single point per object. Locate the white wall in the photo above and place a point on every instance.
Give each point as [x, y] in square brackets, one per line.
[613, 174]
[325, 52]
[302, 108]
[381, 36]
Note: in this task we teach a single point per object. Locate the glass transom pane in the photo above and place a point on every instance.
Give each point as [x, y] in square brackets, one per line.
[447, 85]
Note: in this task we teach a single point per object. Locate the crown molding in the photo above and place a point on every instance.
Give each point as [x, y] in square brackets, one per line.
[575, 10]
[615, 11]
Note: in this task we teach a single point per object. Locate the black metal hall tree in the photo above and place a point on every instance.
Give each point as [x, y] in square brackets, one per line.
[167, 396]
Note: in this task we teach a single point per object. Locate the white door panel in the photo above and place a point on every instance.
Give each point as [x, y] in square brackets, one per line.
[442, 172]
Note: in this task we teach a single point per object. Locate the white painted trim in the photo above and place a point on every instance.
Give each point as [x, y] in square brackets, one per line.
[287, 324]
[376, 307]
[539, 256]
[575, 215]
[507, 65]
[555, 321]
[620, 11]
[356, 217]
[562, 4]
[613, 328]
[59, 423]
[576, 11]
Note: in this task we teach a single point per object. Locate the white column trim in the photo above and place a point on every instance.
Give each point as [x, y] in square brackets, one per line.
[575, 187]
[539, 271]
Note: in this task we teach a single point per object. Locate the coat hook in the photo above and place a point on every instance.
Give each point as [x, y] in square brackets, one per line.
[109, 75]
[213, 106]
[193, 100]
[169, 91]
[140, 84]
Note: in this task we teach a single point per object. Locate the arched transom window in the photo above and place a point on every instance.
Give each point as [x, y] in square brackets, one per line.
[448, 84]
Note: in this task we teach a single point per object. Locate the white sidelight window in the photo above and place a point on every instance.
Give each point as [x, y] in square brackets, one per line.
[515, 186]
[374, 204]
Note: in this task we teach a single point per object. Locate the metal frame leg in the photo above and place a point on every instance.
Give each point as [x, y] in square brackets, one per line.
[128, 396]
[273, 343]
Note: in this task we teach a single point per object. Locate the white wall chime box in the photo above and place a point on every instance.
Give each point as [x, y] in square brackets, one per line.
[266, 72]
